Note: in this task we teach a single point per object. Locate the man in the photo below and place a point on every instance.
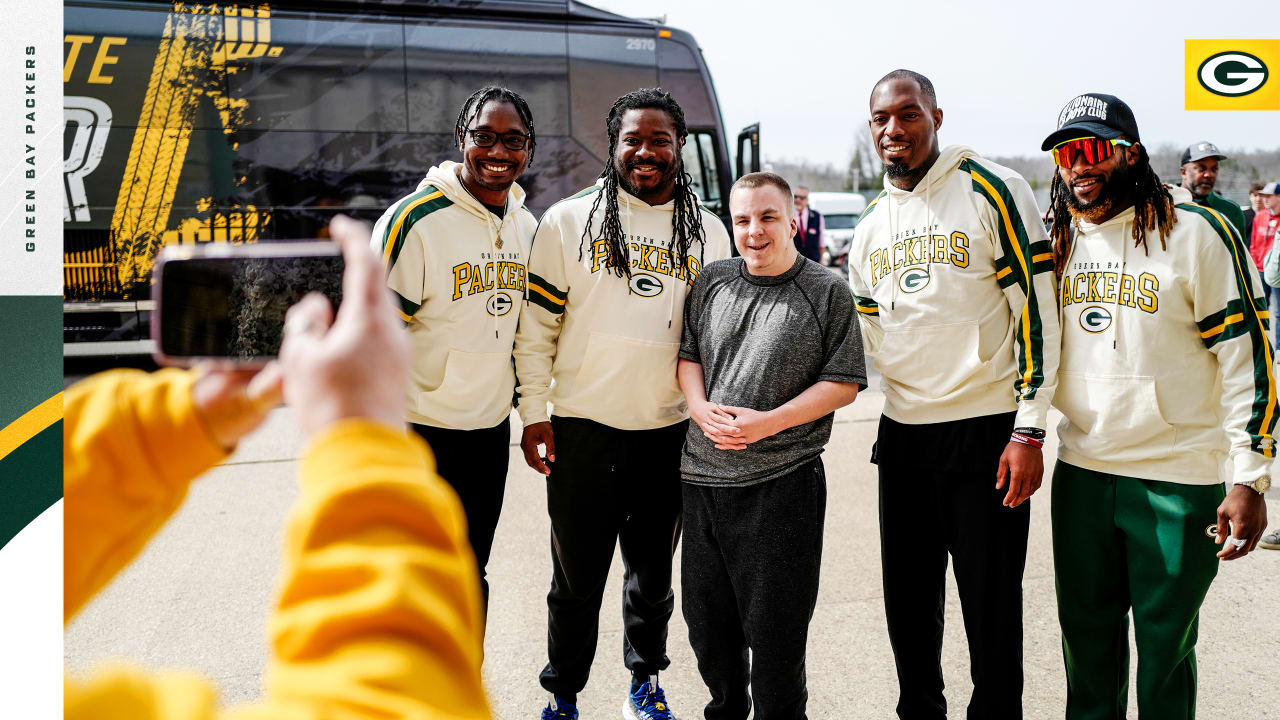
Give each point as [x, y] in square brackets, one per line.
[379, 614]
[952, 278]
[455, 254]
[608, 275]
[810, 233]
[770, 351]
[1166, 372]
[1255, 206]
[1199, 169]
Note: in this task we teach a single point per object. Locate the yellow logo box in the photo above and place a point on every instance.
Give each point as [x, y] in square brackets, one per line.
[1232, 74]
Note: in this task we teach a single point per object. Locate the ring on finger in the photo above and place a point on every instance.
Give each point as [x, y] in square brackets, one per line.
[1238, 542]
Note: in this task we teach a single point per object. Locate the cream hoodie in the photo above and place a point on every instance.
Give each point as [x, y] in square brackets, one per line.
[459, 274]
[954, 287]
[1165, 370]
[610, 346]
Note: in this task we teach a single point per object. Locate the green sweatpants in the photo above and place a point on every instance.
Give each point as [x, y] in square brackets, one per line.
[1120, 543]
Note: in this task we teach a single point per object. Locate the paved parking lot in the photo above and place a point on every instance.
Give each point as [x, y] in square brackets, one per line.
[199, 596]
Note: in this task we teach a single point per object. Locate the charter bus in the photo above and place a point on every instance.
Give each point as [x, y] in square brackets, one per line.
[196, 123]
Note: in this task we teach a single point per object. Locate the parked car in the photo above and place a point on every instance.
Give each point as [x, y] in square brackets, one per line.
[840, 213]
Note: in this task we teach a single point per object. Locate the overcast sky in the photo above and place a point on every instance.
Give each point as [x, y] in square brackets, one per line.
[804, 69]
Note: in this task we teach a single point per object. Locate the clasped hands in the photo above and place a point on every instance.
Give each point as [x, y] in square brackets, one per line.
[731, 427]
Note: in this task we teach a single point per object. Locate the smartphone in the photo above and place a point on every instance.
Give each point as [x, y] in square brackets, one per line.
[226, 303]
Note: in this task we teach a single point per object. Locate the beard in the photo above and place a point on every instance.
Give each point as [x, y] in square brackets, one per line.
[666, 174]
[1116, 192]
[905, 176]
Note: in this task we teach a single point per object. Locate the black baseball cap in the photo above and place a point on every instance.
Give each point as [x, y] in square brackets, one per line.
[1105, 116]
[1201, 150]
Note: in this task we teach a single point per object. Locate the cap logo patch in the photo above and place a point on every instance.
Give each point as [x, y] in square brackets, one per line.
[1081, 106]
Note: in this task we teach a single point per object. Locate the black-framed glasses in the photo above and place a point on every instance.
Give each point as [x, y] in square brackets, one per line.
[510, 140]
[800, 197]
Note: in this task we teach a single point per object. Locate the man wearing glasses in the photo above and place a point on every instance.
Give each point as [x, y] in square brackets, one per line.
[454, 252]
[809, 226]
[1166, 372]
[951, 275]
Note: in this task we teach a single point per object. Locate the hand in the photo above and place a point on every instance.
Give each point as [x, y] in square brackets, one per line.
[717, 425]
[1244, 513]
[752, 425]
[232, 402]
[534, 435]
[356, 366]
[1023, 466]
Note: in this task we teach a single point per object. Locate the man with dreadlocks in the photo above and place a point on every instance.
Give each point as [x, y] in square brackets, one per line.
[1166, 372]
[608, 274]
[454, 252]
[952, 277]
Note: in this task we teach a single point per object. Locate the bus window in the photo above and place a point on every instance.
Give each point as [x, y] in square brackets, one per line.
[681, 76]
[700, 162]
[446, 62]
[602, 68]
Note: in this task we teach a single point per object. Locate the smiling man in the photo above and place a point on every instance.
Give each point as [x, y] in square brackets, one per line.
[1166, 372]
[454, 253]
[608, 274]
[953, 280]
[770, 351]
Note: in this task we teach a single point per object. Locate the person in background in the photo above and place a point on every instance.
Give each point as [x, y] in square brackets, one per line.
[771, 350]
[1166, 372]
[379, 611]
[810, 237]
[1255, 205]
[1199, 169]
[454, 252]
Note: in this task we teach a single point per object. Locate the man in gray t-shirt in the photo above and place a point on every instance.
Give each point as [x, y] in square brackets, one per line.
[770, 350]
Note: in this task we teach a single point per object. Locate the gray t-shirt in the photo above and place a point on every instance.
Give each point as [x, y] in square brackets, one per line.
[762, 341]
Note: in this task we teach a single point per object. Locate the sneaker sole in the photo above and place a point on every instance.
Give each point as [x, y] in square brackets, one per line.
[629, 712]
[1269, 546]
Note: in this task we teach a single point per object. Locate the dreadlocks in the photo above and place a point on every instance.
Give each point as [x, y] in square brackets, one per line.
[491, 93]
[1152, 209]
[687, 221]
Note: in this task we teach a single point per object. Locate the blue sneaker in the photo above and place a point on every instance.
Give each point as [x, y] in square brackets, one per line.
[647, 702]
[558, 709]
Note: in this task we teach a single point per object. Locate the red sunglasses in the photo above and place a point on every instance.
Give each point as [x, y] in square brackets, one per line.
[1093, 149]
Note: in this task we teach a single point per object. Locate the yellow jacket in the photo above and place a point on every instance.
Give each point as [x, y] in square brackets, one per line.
[379, 610]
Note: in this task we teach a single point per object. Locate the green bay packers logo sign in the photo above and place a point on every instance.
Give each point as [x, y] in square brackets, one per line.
[1232, 74]
[1095, 319]
[499, 304]
[913, 280]
[645, 285]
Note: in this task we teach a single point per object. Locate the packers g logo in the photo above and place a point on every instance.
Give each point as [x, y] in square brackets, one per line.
[645, 285]
[913, 280]
[499, 304]
[1095, 319]
[1231, 75]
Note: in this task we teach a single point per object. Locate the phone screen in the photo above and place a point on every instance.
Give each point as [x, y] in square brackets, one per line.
[234, 307]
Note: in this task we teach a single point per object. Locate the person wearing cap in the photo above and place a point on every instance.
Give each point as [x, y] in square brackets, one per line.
[1255, 205]
[1165, 372]
[952, 278]
[1199, 169]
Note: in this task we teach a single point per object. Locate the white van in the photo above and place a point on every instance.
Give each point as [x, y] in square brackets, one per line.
[840, 212]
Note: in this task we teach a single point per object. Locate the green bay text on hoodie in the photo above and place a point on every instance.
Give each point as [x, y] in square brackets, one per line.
[459, 273]
[1166, 367]
[953, 282]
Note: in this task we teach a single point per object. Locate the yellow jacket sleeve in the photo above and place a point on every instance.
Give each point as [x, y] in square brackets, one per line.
[379, 613]
[132, 444]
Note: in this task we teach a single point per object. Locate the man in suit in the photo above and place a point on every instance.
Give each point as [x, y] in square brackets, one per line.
[809, 226]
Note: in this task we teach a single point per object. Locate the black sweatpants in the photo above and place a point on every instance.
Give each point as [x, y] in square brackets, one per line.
[938, 496]
[610, 486]
[474, 463]
[749, 578]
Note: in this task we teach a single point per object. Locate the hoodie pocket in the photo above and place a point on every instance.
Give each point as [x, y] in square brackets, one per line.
[473, 384]
[928, 364]
[629, 373]
[1113, 417]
